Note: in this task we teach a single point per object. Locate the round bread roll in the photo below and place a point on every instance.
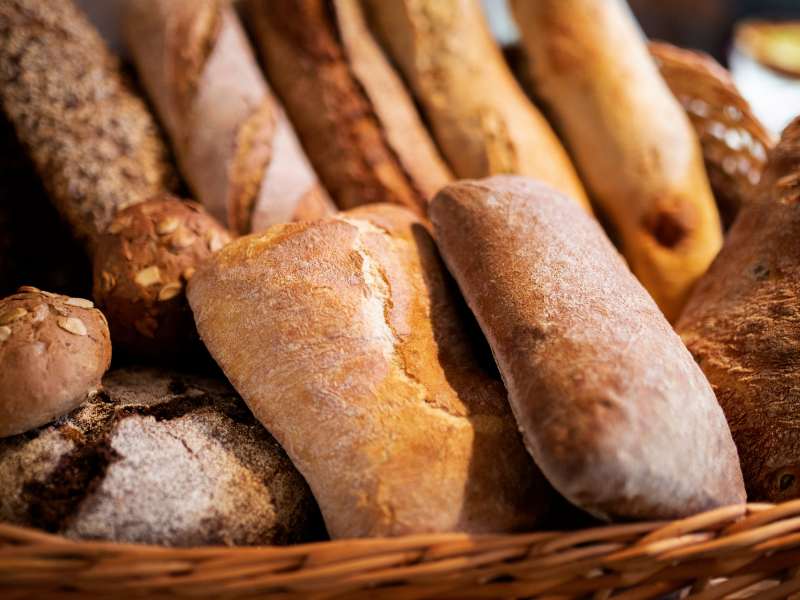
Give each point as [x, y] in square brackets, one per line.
[162, 458]
[141, 266]
[53, 351]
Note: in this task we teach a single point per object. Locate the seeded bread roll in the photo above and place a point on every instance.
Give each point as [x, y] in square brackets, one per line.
[157, 457]
[742, 324]
[351, 110]
[235, 145]
[347, 342]
[91, 138]
[53, 351]
[480, 116]
[142, 264]
[611, 405]
[631, 139]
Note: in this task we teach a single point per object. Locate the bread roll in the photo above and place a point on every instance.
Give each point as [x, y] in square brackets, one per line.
[234, 144]
[352, 113]
[157, 457]
[611, 405]
[346, 341]
[742, 323]
[91, 138]
[53, 351]
[480, 116]
[631, 140]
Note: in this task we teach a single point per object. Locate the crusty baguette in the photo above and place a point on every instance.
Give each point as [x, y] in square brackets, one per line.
[352, 113]
[611, 405]
[742, 323]
[92, 140]
[631, 140]
[480, 116]
[232, 140]
[345, 340]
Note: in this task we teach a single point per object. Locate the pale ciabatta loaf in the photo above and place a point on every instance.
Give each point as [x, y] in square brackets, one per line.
[742, 323]
[346, 341]
[351, 110]
[611, 405]
[157, 457]
[234, 144]
[631, 140]
[480, 116]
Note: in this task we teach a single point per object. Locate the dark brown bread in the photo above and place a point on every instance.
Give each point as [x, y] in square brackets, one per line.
[611, 405]
[157, 457]
[345, 339]
[742, 323]
[357, 123]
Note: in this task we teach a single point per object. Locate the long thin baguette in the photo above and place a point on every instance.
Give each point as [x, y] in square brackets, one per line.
[232, 140]
[480, 116]
[632, 141]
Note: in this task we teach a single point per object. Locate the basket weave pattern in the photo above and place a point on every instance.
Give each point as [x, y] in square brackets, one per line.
[739, 551]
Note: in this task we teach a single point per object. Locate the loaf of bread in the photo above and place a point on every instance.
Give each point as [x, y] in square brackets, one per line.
[53, 351]
[157, 457]
[352, 113]
[480, 116]
[347, 342]
[742, 324]
[611, 405]
[91, 138]
[631, 140]
[233, 142]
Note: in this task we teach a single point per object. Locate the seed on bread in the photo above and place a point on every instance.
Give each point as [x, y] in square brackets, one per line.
[72, 324]
[169, 291]
[5, 331]
[167, 225]
[11, 315]
[148, 276]
[80, 302]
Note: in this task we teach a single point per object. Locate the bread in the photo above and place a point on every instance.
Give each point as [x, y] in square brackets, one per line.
[53, 351]
[232, 140]
[90, 137]
[142, 263]
[631, 140]
[347, 342]
[480, 117]
[356, 121]
[742, 324]
[611, 405]
[157, 457]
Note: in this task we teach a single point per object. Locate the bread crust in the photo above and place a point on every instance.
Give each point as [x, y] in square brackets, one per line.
[611, 405]
[53, 351]
[346, 342]
[356, 121]
[630, 138]
[232, 140]
[479, 115]
[742, 324]
[92, 140]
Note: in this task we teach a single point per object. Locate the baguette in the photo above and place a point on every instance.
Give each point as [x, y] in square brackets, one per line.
[742, 323]
[480, 116]
[346, 341]
[232, 140]
[611, 405]
[633, 143]
[352, 113]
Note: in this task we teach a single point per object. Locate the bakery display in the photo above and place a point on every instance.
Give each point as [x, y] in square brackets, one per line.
[100, 472]
[611, 405]
[357, 122]
[233, 142]
[346, 340]
[480, 116]
[631, 140]
[742, 323]
[53, 351]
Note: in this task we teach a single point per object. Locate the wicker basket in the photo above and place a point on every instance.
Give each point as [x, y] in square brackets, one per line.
[735, 552]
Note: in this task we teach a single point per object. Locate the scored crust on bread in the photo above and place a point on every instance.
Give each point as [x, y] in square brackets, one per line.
[357, 123]
[611, 405]
[234, 144]
[346, 340]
